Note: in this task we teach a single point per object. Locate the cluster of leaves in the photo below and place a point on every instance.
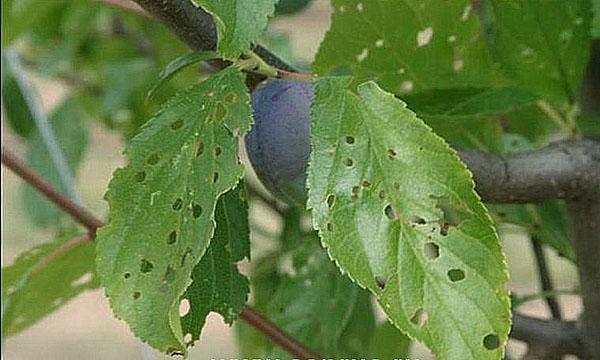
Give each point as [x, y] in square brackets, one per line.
[393, 205]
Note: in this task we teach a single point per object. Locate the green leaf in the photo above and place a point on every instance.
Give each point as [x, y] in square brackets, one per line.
[304, 293]
[544, 44]
[468, 102]
[217, 284]
[388, 342]
[68, 125]
[162, 204]
[290, 7]
[239, 23]
[407, 45]
[43, 279]
[397, 211]
[178, 64]
[547, 222]
[15, 107]
[468, 116]
[596, 20]
[589, 124]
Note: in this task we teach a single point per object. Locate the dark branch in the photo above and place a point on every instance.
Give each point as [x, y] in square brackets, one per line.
[544, 273]
[555, 337]
[562, 170]
[78, 213]
[277, 335]
[196, 29]
[584, 218]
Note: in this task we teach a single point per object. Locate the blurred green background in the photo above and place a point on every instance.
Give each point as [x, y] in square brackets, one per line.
[85, 328]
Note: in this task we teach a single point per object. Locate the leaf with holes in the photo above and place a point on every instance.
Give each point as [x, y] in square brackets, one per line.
[217, 284]
[68, 124]
[543, 44]
[397, 211]
[239, 23]
[43, 279]
[162, 204]
[303, 293]
[177, 65]
[407, 45]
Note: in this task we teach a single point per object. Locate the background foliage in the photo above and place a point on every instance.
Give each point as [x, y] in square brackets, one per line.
[504, 78]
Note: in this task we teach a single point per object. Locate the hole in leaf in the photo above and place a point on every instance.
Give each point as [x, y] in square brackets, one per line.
[389, 212]
[199, 148]
[174, 352]
[184, 307]
[169, 275]
[126, 275]
[380, 280]
[349, 140]
[177, 124]
[136, 295]
[355, 192]
[231, 97]
[219, 111]
[140, 176]
[382, 194]
[188, 252]
[187, 338]
[172, 238]
[330, 200]
[178, 204]
[330, 227]
[153, 159]
[419, 318]
[456, 275]
[417, 220]
[348, 162]
[431, 250]
[453, 213]
[491, 341]
[215, 177]
[444, 227]
[196, 210]
[392, 154]
[146, 266]
[217, 151]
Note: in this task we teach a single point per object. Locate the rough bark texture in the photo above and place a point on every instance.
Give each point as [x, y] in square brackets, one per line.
[561, 170]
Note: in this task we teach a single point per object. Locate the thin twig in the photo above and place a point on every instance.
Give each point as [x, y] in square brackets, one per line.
[272, 331]
[61, 250]
[276, 335]
[260, 195]
[77, 212]
[545, 281]
[126, 5]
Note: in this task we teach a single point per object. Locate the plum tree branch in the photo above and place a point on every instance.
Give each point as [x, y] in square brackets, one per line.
[559, 171]
[82, 216]
[560, 335]
[555, 337]
[583, 213]
[545, 280]
[562, 170]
